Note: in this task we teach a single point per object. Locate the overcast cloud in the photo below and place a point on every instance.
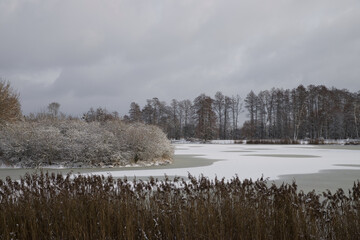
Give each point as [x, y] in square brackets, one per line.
[91, 53]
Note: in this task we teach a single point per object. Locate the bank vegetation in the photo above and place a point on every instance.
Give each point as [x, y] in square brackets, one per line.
[44, 206]
[77, 143]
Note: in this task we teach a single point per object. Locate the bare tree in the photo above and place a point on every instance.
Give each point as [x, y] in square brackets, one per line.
[53, 109]
[219, 104]
[175, 120]
[205, 117]
[227, 105]
[299, 110]
[135, 112]
[357, 113]
[251, 105]
[98, 115]
[187, 110]
[10, 109]
[236, 109]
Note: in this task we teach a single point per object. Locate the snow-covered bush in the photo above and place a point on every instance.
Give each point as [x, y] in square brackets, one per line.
[75, 143]
[147, 142]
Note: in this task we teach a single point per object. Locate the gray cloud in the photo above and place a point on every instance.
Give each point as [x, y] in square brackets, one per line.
[85, 53]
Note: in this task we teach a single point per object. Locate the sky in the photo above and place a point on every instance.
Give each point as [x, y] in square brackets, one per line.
[109, 53]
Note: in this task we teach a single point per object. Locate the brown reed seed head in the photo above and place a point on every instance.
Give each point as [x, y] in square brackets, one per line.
[48, 206]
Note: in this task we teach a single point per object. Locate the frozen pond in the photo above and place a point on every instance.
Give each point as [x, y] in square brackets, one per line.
[319, 167]
[253, 161]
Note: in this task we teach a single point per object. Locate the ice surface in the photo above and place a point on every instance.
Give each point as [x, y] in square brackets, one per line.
[254, 161]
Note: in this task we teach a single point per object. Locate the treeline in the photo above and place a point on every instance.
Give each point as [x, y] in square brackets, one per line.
[314, 112]
[204, 118]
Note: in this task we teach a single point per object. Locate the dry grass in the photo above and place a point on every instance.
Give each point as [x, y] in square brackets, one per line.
[43, 206]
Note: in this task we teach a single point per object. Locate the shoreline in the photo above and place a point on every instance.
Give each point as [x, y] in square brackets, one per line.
[317, 167]
[179, 162]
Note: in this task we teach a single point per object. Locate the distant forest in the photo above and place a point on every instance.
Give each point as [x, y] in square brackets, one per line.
[314, 112]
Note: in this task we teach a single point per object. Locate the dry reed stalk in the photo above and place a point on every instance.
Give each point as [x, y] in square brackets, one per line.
[49, 206]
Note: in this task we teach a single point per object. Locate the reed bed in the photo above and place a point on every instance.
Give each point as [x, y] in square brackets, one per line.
[50, 206]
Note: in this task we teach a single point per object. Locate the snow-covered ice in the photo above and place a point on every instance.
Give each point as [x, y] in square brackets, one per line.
[255, 161]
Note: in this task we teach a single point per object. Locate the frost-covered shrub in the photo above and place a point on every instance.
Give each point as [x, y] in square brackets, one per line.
[147, 142]
[75, 143]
